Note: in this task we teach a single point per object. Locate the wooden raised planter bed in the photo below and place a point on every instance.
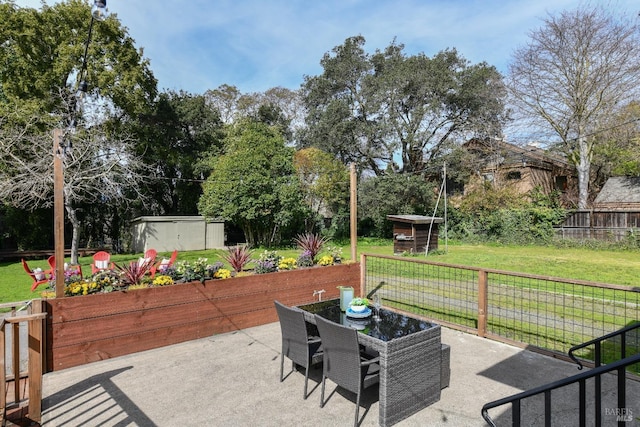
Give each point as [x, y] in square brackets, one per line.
[89, 328]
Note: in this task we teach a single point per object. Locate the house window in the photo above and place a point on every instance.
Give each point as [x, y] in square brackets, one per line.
[514, 175]
[561, 183]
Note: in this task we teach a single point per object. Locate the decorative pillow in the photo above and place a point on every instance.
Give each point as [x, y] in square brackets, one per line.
[143, 261]
[102, 265]
[164, 264]
[39, 274]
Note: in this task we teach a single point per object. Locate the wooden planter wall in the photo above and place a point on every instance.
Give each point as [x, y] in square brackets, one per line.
[101, 326]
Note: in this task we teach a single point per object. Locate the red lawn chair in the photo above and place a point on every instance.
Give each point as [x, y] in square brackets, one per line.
[38, 277]
[77, 269]
[164, 264]
[101, 262]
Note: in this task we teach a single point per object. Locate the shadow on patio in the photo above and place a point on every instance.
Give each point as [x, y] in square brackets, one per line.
[232, 379]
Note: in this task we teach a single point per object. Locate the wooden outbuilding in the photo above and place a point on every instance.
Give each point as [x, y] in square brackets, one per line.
[413, 233]
[184, 233]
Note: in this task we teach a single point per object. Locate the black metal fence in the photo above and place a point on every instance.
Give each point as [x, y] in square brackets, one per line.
[549, 313]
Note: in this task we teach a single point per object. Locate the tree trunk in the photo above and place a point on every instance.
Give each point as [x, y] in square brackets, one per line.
[583, 168]
[75, 238]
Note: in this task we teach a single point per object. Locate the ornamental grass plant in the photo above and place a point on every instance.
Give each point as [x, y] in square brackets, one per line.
[238, 257]
[310, 242]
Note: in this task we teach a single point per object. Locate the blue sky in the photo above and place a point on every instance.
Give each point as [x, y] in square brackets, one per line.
[195, 45]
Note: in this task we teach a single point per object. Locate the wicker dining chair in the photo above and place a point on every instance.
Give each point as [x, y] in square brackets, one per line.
[297, 344]
[344, 363]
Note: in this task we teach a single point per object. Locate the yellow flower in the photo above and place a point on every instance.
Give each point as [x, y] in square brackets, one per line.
[48, 294]
[326, 260]
[288, 264]
[162, 280]
[222, 273]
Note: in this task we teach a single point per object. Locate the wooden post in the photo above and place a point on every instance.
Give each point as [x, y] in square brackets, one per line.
[482, 302]
[35, 331]
[3, 373]
[354, 212]
[58, 212]
[363, 275]
[15, 352]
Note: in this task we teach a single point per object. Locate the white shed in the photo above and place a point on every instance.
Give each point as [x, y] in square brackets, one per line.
[184, 233]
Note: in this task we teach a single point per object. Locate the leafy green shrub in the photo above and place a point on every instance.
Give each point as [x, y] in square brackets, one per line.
[506, 217]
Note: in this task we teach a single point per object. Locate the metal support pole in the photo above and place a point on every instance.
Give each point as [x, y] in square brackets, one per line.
[58, 211]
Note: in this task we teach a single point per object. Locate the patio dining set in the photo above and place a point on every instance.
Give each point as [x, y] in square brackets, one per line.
[401, 354]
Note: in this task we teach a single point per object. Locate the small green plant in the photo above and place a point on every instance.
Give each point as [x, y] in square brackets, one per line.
[268, 262]
[336, 253]
[359, 301]
[198, 270]
[238, 256]
[310, 242]
[305, 259]
[108, 280]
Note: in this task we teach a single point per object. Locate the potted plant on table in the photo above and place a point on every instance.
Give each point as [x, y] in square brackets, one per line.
[358, 305]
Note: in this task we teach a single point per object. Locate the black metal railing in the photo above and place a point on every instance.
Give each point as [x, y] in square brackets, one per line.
[599, 347]
[621, 413]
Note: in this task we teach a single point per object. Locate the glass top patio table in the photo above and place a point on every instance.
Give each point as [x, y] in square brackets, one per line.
[410, 357]
[387, 326]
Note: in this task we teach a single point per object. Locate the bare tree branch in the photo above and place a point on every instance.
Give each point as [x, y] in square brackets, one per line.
[574, 73]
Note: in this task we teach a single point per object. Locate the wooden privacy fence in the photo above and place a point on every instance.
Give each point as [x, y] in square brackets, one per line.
[600, 225]
[21, 390]
[548, 314]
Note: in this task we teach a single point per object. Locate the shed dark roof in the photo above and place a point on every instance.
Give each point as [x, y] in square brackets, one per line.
[620, 189]
[415, 219]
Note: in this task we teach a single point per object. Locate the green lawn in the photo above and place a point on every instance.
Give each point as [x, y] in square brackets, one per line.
[616, 267]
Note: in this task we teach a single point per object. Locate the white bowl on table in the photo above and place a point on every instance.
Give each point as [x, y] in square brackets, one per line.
[358, 308]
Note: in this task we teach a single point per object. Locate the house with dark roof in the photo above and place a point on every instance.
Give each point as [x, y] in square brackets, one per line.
[619, 193]
[502, 164]
[615, 213]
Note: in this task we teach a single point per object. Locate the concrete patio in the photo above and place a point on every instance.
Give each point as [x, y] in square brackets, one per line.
[232, 380]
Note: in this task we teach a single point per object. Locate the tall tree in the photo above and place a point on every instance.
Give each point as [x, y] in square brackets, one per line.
[179, 131]
[324, 183]
[340, 119]
[377, 109]
[98, 170]
[392, 194]
[253, 184]
[618, 153]
[573, 73]
[42, 56]
[431, 103]
[276, 105]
